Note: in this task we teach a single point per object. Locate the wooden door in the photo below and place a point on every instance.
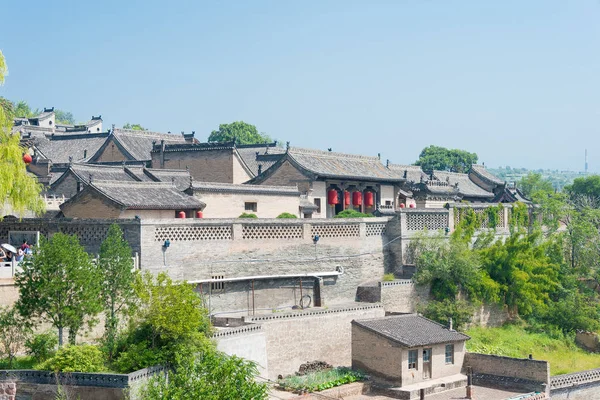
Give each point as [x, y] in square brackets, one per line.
[427, 363]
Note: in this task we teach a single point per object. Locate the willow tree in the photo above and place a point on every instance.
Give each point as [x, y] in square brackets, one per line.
[19, 191]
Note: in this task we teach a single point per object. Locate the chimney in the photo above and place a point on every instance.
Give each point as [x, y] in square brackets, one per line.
[162, 153]
[259, 169]
[450, 324]
[379, 156]
[85, 153]
[91, 177]
[387, 162]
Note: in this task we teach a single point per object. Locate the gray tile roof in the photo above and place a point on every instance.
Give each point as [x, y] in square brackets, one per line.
[343, 166]
[466, 187]
[100, 172]
[139, 143]
[412, 173]
[483, 173]
[411, 330]
[146, 195]
[263, 154]
[179, 147]
[179, 177]
[58, 148]
[199, 187]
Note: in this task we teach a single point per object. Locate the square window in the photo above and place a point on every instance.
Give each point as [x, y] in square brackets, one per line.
[412, 359]
[449, 354]
[388, 203]
[318, 204]
[217, 285]
[250, 206]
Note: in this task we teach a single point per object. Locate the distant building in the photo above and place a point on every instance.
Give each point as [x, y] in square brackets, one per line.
[406, 349]
[146, 200]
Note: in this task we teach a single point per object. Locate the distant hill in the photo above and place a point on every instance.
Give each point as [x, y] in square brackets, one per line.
[558, 178]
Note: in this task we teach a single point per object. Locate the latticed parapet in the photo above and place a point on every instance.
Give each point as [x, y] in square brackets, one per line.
[193, 233]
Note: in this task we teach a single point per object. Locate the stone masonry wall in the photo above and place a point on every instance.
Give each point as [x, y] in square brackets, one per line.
[8, 391]
[297, 337]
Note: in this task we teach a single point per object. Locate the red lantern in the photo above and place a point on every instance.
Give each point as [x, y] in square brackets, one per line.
[369, 201]
[199, 214]
[411, 205]
[402, 205]
[346, 198]
[27, 158]
[332, 197]
[181, 214]
[357, 198]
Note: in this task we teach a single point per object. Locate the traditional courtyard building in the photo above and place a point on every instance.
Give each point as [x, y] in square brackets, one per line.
[46, 122]
[217, 162]
[77, 176]
[335, 181]
[145, 200]
[229, 200]
[407, 349]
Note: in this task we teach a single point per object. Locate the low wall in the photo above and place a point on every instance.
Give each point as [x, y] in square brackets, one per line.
[248, 342]
[322, 334]
[42, 385]
[584, 385]
[508, 372]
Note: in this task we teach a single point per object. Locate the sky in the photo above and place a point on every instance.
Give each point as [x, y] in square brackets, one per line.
[517, 82]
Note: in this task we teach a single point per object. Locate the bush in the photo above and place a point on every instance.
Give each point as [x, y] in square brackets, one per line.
[352, 214]
[75, 358]
[286, 215]
[42, 346]
[321, 380]
[389, 277]
[248, 215]
[460, 311]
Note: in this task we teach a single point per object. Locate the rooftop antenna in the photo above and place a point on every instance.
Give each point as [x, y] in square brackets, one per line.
[585, 171]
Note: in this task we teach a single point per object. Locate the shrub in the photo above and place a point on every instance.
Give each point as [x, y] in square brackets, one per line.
[460, 311]
[286, 215]
[75, 358]
[321, 380]
[352, 214]
[388, 277]
[248, 215]
[41, 346]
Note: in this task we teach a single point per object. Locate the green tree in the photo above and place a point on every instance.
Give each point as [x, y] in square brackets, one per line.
[135, 127]
[240, 132]
[211, 375]
[14, 331]
[60, 285]
[443, 159]
[587, 186]
[64, 117]
[19, 190]
[460, 311]
[23, 110]
[116, 266]
[533, 183]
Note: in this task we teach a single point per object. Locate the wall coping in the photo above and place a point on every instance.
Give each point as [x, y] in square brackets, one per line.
[396, 282]
[575, 378]
[308, 313]
[239, 330]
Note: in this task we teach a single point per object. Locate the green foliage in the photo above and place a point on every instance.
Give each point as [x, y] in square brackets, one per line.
[64, 117]
[388, 277]
[287, 215]
[534, 184]
[248, 215]
[350, 213]
[41, 346]
[443, 159]
[585, 186]
[20, 191]
[14, 330]
[71, 358]
[493, 215]
[211, 375]
[321, 380]
[460, 311]
[60, 285]
[166, 321]
[116, 266]
[515, 341]
[135, 127]
[240, 132]
[519, 217]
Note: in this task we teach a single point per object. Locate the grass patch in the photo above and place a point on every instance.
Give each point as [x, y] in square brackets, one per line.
[25, 362]
[513, 341]
[388, 277]
[321, 380]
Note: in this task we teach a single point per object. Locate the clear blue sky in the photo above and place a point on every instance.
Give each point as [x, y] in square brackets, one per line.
[516, 81]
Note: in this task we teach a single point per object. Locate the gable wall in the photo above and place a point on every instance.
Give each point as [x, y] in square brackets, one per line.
[288, 175]
[204, 166]
[67, 187]
[376, 355]
[111, 153]
[91, 206]
[239, 173]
